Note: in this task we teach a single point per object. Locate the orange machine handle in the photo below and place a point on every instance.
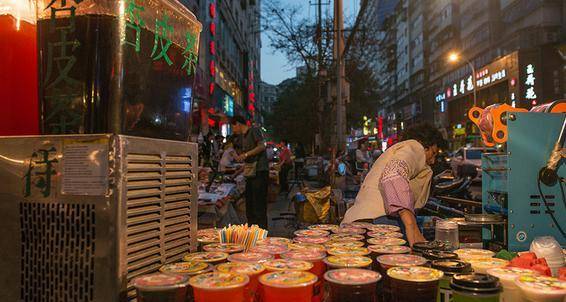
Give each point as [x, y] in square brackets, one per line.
[474, 115]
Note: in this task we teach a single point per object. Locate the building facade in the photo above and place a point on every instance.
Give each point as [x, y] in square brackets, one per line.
[229, 62]
[517, 49]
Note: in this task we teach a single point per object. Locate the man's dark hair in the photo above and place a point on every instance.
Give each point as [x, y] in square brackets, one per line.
[238, 119]
[425, 134]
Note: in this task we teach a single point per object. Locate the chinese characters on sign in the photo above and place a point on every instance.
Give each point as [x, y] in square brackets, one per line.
[39, 172]
[135, 22]
[466, 85]
[62, 92]
[530, 83]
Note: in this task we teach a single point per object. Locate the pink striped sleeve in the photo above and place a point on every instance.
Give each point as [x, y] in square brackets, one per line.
[395, 189]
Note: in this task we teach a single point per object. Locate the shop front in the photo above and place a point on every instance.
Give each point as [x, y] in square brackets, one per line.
[515, 79]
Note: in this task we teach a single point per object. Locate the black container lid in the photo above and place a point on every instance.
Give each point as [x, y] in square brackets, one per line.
[476, 283]
[439, 255]
[429, 245]
[452, 266]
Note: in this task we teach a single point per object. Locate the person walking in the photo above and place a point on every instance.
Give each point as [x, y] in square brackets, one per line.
[256, 170]
[286, 163]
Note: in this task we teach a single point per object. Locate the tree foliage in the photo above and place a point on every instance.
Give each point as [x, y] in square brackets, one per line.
[295, 113]
[293, 117]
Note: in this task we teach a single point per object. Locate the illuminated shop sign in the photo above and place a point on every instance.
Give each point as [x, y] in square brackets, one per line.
[483, 78]
[228, 105]
[530, 93]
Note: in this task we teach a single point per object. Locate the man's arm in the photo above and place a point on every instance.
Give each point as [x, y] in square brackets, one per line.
[411, 228]
[260, 147]
[398, 198]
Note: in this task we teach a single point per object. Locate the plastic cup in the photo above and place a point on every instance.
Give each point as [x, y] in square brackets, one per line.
[273, 249]
[507, 276]
[217, 286]
[542, 288]
[208, 257]
[414, 283]
[337, 262]
[188, 269]
[287, 286]
[229, 248]
[384, 227]
[384, 234]
[352, 285]
[314, 257]
[420, 247]
[349, 230]
[319, 268]
[377, 250]
[385, 241]
[252, 270]
[352, 251]
[351, 237]
[471, 254]
[207, 236]
[311, 233]
[362, 225]
[482, 265]
[307, 246]
[274, 240]
[475, 288]
[287, 265]
[439, 255]
[250, 257]
[323, 227]
[315, 240]
[161, 287]
[385, 262]
[449, 267]
[340, 243]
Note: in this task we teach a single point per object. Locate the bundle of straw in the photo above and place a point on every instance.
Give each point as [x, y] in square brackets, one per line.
[245, 235]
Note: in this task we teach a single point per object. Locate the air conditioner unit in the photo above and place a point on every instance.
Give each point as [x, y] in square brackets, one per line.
[81, 215]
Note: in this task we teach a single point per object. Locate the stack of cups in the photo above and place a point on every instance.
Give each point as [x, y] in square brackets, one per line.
[352, 284]
[161, 287]
[475, 288]
[507, 276]
[414, 283]
[548, 248]
[287, 286]
[216, 286]
[449, 267]
[252, 270]
[385, 262]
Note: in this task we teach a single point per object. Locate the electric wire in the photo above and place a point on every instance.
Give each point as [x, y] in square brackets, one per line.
[550, 212]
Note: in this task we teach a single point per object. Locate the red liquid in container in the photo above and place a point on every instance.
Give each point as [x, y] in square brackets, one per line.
[18, 79]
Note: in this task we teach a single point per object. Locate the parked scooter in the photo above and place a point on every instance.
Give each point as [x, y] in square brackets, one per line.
[457, 187]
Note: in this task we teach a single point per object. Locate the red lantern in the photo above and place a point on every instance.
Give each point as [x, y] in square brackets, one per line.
[212, 27]
[212, 10]
[212, 48]
[211, 89]
[212, 68]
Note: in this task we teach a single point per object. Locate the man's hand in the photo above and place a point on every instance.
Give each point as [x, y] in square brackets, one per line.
[240, 158]
[411, 228]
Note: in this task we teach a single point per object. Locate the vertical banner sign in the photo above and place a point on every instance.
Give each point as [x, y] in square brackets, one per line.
[61, 91]
[212, 46]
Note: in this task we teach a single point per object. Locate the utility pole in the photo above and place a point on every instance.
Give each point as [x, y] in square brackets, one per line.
[339, 48]
[320, 101]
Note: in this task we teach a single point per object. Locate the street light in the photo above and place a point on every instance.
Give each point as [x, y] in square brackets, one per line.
[454, 57]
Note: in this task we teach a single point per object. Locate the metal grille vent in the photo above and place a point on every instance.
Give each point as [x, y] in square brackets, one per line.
[57, 252]
[158, 211]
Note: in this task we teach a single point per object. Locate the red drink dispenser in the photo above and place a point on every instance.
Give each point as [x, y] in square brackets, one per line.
[18, 61]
